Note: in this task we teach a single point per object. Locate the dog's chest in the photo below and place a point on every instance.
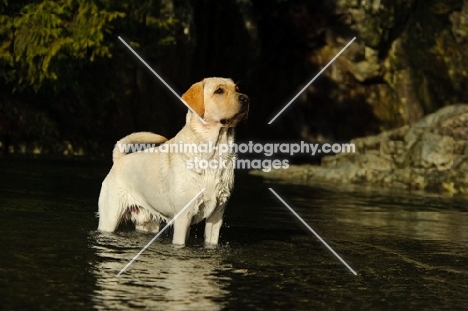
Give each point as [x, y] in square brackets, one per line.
[218, 184]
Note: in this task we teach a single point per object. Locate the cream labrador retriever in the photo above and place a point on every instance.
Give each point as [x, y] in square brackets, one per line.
[148, 187]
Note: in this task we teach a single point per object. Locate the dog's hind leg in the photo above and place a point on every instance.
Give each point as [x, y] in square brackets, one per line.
[109, 218]
[111, 210]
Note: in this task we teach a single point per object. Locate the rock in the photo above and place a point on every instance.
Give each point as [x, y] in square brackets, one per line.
[430, 155]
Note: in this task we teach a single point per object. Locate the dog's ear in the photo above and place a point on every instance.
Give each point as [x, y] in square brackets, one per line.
[195, 98]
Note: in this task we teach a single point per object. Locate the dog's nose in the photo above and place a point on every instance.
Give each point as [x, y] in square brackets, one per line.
[244, 99]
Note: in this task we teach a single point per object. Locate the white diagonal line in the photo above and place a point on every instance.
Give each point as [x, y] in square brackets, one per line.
[312, 230]
[160, 232]
[162, 80]
[308, 84]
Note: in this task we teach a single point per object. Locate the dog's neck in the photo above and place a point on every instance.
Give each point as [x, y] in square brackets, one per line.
[211, 134]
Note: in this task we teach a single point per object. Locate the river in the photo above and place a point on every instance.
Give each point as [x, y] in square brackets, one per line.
[410, 250]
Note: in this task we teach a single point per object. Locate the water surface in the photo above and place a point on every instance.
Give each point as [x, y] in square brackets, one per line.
[410, 250]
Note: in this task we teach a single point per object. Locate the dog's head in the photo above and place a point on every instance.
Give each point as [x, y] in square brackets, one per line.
[218, 101]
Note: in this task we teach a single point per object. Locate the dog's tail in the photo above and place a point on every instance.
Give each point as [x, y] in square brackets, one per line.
[136, 142]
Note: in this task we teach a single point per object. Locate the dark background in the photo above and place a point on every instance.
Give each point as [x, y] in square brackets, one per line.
[70, 87]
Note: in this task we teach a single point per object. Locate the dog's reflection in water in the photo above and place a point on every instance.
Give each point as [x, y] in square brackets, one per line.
[164, 277]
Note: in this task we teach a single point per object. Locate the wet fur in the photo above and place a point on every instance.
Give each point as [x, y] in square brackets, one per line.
[148, 188]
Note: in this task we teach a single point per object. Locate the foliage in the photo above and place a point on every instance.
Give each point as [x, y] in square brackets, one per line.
[39, 38]
[64, 75]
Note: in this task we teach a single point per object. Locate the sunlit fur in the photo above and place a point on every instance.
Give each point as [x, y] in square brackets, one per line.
[148, 187]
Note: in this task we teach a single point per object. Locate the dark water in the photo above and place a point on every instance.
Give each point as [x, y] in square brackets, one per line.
[410, 251]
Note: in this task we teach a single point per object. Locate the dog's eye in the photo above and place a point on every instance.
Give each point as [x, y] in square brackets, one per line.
[219, 91]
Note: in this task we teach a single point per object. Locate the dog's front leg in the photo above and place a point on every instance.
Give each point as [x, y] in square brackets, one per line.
[181, 228]
[213, 225]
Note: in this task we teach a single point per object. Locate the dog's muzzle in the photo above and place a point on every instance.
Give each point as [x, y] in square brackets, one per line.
[244, 100]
